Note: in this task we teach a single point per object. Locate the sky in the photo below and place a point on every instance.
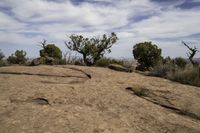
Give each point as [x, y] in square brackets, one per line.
[166, 23]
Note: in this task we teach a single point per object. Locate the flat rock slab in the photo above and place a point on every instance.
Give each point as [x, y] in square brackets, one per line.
[90, 100]
[42, 71]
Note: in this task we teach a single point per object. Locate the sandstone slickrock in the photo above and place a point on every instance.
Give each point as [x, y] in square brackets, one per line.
[98, 104]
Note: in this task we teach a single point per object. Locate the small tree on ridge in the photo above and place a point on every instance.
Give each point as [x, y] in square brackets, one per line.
[147, 54]
[91, 49]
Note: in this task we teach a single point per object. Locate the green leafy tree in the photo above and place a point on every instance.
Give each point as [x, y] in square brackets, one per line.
[91, 49]
[18, 58]
[50, 50]
[147, 54]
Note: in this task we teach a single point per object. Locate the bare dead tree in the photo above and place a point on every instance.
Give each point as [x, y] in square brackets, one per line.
[43, 44]
[191, 54]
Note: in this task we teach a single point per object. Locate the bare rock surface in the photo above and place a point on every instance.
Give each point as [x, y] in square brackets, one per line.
[117, 67]
[75, 99]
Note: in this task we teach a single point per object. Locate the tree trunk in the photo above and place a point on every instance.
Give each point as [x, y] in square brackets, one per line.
[87, 63]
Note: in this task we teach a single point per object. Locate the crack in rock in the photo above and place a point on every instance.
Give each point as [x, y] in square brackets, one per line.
[76, 69]
[41, 101]
[48, 75]
[161, 100]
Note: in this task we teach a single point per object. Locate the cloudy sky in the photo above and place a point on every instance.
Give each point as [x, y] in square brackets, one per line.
[25, 23]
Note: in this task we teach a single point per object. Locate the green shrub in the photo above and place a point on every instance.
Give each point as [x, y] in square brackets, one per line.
[60, 62]
[2, 62]
[51, 50]
[1, 55]
[18, 58]
[147, 54]
[167, 60]
[1, 58]
[180, 62]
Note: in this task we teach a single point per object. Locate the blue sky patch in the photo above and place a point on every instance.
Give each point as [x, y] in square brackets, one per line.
[24, 23]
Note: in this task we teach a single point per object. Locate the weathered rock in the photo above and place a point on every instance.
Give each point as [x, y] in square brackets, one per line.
[43, 60]
[38, 61]
[49, 60]
[81, 104]
[119, 68]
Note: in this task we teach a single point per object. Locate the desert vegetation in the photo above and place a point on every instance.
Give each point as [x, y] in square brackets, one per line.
[1, 58]
[19, 57]
[148, 56]
[92, 49]
[50, 50]
[179, 70]
[77, 97]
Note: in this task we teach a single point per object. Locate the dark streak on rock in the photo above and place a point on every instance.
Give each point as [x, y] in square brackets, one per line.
[41, 101]
[88, 75]
[170, 106]
[23, 73]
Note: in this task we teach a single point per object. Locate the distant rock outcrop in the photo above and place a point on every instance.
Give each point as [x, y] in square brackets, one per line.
[119, 68]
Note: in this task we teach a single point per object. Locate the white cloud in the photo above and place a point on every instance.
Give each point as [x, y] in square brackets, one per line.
[175, 23]
[29, 21]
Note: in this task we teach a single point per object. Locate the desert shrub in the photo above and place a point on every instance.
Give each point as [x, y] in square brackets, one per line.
[19, 57]
[59, 62]
[51, 50]
[92, 49]
[162, 70]
[167, 60]
[104, 62]
[1, 55]
[73, 59]
[187, 75]
[147, 54]
[190, 75]
[2, 62]
[180, 62]
[52, 54]
[62, 62]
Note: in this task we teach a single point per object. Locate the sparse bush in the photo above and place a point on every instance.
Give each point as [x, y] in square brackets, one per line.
[92, 49]
[147, 54]
[18, 58]
[105, 62]
[162, 70]
[2, 62]
[186, 75]
[190, 75]
[73, 59]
